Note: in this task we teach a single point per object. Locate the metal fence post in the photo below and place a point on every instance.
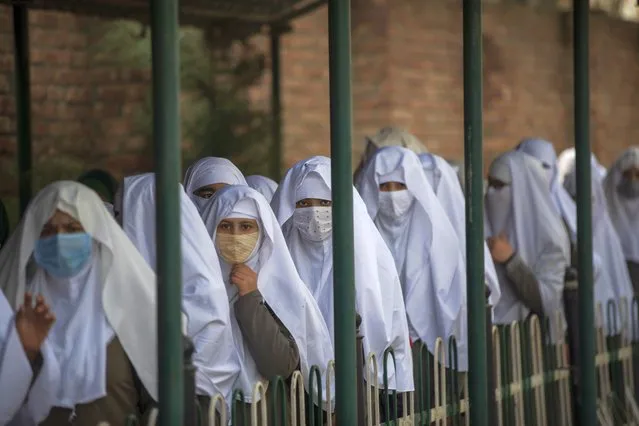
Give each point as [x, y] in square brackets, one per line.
[23, 102]
[588, 385]
[276, 101]
[166, 136]
[339, 46]
[478, 367]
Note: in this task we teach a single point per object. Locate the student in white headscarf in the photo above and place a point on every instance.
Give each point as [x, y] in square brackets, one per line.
[527, 240]
[208, 175]
[263, 185]
[564, 204]
[28, 366]
[277, 326]
[69, 249]
[606, 244]
[566, 160]
[302, 205]
[427, 252]
[445, 183]
[203, 290]
[387, 136]
[622, 193]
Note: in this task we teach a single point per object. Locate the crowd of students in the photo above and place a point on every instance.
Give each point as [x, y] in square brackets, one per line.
[78, 328]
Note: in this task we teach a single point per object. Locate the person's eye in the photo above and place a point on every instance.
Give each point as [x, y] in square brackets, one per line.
[325, 203]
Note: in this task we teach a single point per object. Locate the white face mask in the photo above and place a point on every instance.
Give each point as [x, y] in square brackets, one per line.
[314, 223]
[498, 207]
[395, 204]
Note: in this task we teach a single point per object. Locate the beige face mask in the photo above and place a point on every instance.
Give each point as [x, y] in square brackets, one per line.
[236, 248]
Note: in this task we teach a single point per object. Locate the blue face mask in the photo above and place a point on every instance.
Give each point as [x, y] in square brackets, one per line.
[63, 255]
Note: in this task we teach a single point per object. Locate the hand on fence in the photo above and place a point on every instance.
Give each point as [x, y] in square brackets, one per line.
[33, 324]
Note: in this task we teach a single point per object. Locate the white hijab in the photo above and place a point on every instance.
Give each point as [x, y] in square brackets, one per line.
[606, 242]
[535, 231]
[208, 171]
[427, 252]
[567, 159]
[444, 181]
[263, 185]
[544, 151]
[624, 212]
[566, 207]
[203, 290]
[278, 282]
[115, 293]
[379, 299]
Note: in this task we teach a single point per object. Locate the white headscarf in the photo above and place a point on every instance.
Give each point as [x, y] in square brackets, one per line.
[203, 291]
[567, 159]
[209, 171]
[263, 185]
[606, 242]
[544, 151]
[624, 212]
[379, 298]
[25, 399]
[116, 292]
[427, 252]
[444, 181]
[388, 136]
[278, 282]
[535, 231]
[566, 207]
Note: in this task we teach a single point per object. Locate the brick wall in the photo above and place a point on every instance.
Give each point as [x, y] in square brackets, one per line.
[83, 108]
[407, 70]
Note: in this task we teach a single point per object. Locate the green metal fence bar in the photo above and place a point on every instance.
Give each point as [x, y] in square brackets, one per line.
[339, 47]
[276, 102]
[23, 102]
[166, 135]
[588, 388]
[478, 377]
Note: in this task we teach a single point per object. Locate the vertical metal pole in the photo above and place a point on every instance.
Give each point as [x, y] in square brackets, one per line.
[339, 48]
[478, 367]
[276, 103]
[166, 136]
[23, 102]
[588, 400]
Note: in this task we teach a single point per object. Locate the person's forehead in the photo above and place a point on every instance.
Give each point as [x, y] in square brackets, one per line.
[62, 217]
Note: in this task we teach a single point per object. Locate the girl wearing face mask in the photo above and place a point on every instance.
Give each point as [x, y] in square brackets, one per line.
[444, 181]
[70, 250]
[203, 291]
[263, 185]
[622, 193]
[606, 245]
[427, 253]
[277, 325]
[526, 239]
[302, 205]
[207, 176]
[28, 367]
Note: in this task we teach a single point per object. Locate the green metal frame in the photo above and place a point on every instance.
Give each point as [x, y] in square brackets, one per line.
[588, 388]
[473, 175]
[168, 155]
[339, 48]
[23, 102]
[276, 102]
